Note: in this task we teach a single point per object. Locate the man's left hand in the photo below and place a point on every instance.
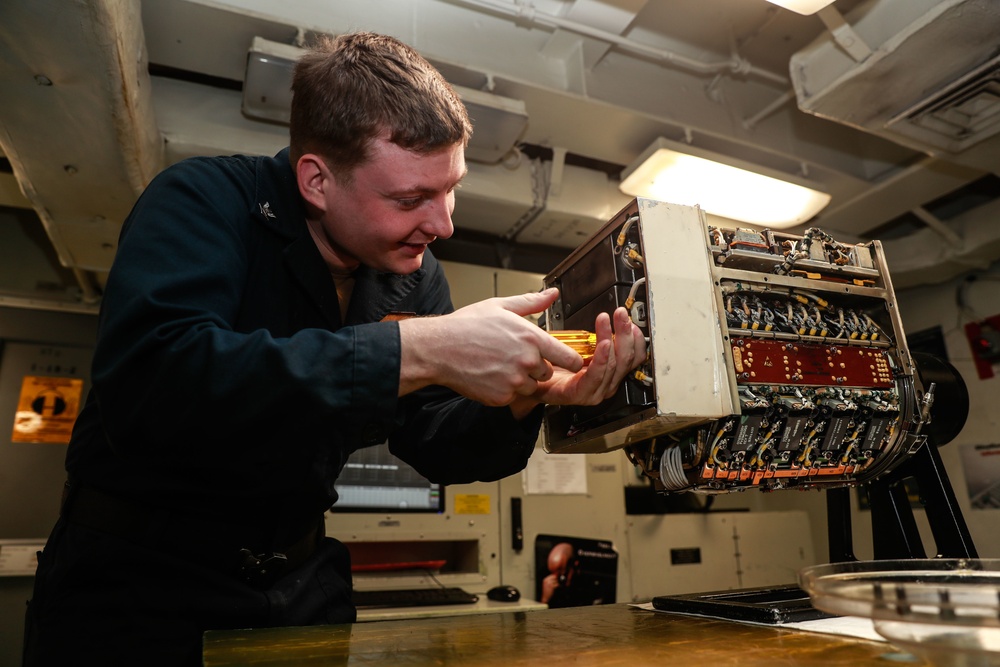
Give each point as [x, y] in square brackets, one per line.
[616, 354]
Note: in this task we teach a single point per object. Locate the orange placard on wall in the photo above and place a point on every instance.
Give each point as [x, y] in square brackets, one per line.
[472, 503]
[47, 409]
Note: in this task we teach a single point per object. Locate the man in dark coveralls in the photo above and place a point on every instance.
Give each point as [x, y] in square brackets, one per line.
[249, 343]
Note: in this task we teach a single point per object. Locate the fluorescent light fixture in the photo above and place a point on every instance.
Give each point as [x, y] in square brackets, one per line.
[498, 121]
[805, 7]
[682, 174]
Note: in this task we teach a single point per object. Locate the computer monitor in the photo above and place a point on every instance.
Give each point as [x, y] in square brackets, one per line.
[374, 480]
[403, 531]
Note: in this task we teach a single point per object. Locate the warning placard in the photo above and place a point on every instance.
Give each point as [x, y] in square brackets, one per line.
[472, 503]
[47, 409]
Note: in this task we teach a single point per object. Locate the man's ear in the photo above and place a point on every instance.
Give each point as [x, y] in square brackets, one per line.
[314, 178]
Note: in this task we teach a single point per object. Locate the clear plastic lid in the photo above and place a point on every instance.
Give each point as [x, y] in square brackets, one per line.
[947, 610]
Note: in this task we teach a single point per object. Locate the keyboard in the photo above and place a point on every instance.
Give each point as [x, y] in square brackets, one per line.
[412, 597]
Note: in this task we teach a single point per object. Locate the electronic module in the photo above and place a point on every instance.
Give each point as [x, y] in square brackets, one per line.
[774, 360]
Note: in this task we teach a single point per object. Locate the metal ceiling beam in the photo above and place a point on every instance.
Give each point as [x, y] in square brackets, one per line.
[894, 196]
[81, 139]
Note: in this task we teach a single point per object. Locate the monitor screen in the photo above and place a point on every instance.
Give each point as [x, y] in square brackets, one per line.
[373, 480]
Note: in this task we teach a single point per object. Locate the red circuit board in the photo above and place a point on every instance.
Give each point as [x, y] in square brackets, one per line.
[775, 362]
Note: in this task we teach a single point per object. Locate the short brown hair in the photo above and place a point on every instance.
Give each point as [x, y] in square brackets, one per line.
[352, 88]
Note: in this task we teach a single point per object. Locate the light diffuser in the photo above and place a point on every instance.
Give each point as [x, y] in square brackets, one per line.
[682, 174]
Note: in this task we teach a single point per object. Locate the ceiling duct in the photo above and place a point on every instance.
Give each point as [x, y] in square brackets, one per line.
[959, 116]
[929, 80]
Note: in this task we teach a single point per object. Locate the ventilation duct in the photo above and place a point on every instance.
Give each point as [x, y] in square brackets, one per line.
[928, 79]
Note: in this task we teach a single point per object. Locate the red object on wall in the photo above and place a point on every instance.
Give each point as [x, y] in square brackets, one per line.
[984, 340]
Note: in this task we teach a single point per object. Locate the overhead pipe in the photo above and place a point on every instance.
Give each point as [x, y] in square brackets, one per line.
[736, 64]
[750, 122]
[935, 223]
[88, 291]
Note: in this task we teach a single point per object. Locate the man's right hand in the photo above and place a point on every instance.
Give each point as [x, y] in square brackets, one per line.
[486, 351]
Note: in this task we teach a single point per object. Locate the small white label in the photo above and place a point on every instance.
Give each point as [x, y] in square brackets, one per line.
[19, 559]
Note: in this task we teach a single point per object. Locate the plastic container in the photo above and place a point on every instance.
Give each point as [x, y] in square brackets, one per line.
[946, 611]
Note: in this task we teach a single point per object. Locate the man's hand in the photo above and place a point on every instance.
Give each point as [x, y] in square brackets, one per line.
[614, 357]
[488, 352]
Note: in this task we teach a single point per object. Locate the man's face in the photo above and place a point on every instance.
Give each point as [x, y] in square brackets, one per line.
[397, 203]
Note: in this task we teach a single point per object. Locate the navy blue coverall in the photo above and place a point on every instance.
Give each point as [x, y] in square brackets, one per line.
[227, 394]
